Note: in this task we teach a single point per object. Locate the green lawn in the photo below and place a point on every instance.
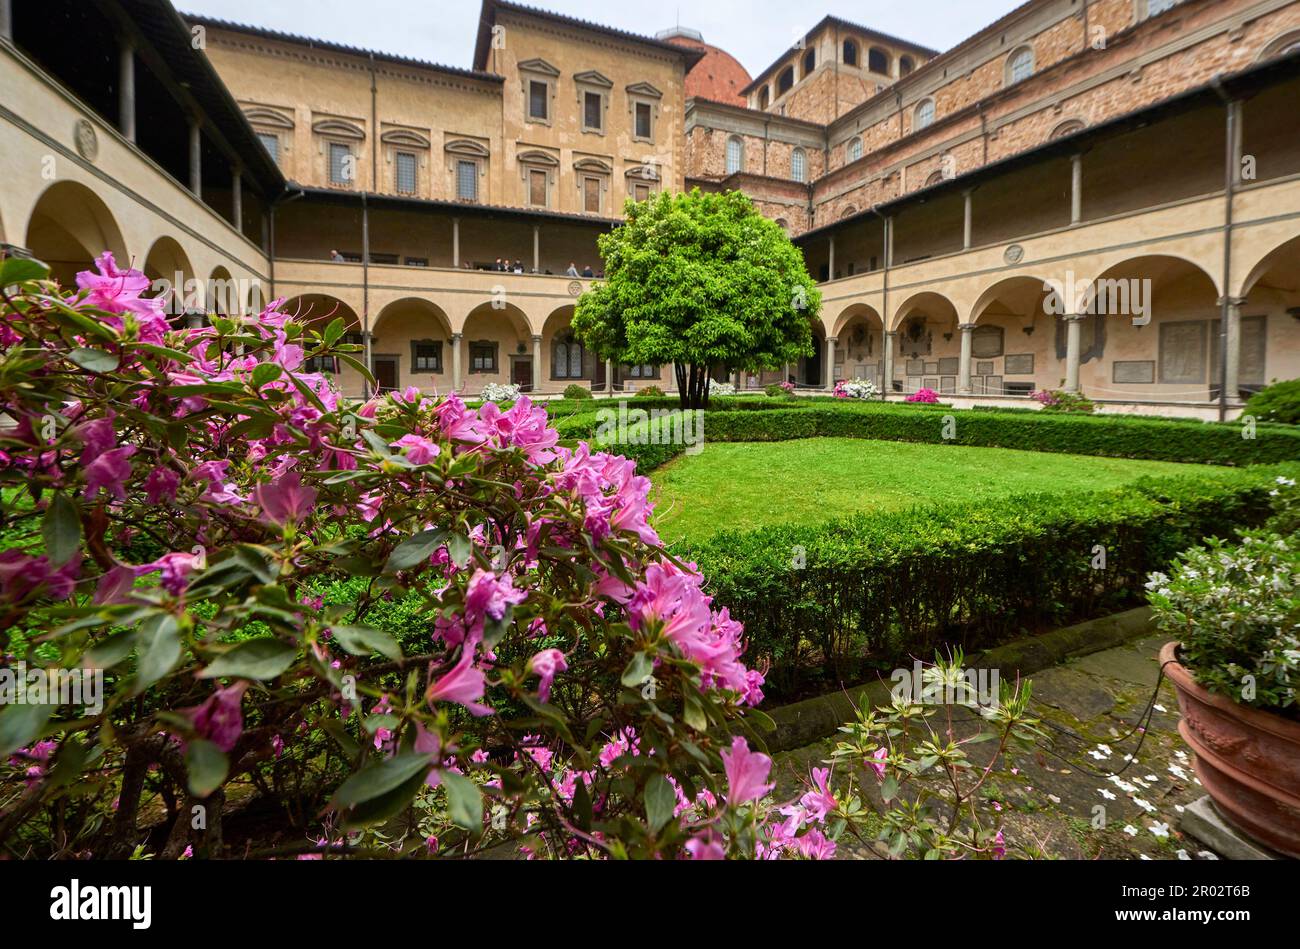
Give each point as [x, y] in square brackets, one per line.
[745, 485]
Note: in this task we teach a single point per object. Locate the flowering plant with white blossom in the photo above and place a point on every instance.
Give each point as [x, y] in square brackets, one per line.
[1235, 607]
[501, 392]
[855, 389]
[721, 388]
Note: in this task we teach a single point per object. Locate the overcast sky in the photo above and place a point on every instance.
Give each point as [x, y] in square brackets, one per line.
[754, 31]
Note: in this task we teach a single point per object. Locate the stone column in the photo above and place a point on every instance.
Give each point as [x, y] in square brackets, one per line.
[889, 242]
[455, 362]
[968, 223]
[1073, 345]
[125, 89]
[537, 248]
[1232, 351]
[963, 364]
[830, 362]
[537, 362]
[1076, 189]
[609, 376]
[887, 370]
[237, 199]
[455, 242]
[196, 159]
[831, 263]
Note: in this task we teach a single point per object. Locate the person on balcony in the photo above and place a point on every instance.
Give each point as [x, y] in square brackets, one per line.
[572, 271]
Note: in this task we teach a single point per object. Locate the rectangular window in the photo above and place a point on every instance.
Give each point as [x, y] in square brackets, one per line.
[405, 166]
[272, 145]
[642, 372]
[592, 111]
[640, 192]
[427, 357]
[591, 195]
[537, 189]
[321, 364]
[341, 170]
[538, 100]
[643, 124]
[482, 357]
[467, 180]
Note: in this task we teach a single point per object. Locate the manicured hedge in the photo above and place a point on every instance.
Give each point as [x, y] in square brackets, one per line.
[874, 591]
[1111, 436]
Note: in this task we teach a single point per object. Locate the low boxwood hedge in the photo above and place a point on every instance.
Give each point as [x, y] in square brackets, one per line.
[826, 604]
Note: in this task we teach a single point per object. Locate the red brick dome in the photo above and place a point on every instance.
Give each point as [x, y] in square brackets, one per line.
[718, 76]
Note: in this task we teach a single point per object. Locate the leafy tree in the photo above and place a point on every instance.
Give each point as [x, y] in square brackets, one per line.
[699, 280]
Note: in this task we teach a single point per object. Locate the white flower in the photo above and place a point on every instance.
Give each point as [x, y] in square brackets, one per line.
[1207, 855]
[1184, 855]
[1145, 805]
[1130, 830]
[1106, 794]
[1160, 830]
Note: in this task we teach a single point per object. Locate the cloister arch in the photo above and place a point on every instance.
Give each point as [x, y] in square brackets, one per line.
[1019, 336]
[1268, 308]
[925, 345]
[411, 345]
[318, 310]
[168, 268]
[69, 227]
[859, 343]
[498, 347]
[1278, 269]
[565, 360]
[221, 296]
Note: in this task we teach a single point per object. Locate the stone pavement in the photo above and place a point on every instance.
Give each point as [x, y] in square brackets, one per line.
[1087, 704]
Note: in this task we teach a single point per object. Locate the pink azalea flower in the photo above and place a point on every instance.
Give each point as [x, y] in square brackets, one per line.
[96, 436]
[108, 473]
[489, 595]
[464, 684]
[287, 501]
[546, 664]
[705, 846]
[176, 568]
[877, 762]
[819, 802]
[419, 450]
[220, 719]
[160, 485]
[746, 773]
[814, 845]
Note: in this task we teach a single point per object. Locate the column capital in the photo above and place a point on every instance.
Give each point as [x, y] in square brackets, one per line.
[1231, 301]
[831, 339]
[456, 336]
[967, 327]
[537, 337]
[891, 333]
[1074, 317]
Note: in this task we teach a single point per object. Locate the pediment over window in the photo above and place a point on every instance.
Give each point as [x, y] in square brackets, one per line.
[463, 146]
[538, 66]
[644, 89]
[642, 173]
[268, 117]
[593, 78]
[407, 137]
[338, 128]
[592, 164]
[535, 157]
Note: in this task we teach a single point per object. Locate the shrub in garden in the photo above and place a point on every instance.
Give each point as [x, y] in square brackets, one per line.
[1059, 400]
[1279, 402]
[176, 503]
[650, 392]
[721, 388]
[1235, 607]
[576, 392]
[500, 392]
[855, 389]
[925, 396]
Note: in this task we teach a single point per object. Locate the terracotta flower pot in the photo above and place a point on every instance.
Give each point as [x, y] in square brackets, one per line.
[1248, 760]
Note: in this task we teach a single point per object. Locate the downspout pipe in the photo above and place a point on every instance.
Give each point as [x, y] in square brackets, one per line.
[1229, 193]
[365, 288]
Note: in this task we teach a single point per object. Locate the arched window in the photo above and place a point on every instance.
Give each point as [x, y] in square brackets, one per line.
[934, 179]
[809, 62]
[905, 65]
[878, 60]
[848, 212]
[785, 80]
[1284, 45]
[566, 358]
[764, 97]
[735, 154]
[853, 151]
[850, 53]
[1020, 65]
[923, 116]
[798, 165]
[1068, 127]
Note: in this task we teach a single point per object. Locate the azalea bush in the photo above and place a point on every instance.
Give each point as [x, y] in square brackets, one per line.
[926, 396]
[855, 389]
[721, 388]
[1058, 400]
[176, 506]
[500, 392]
[1235, 609]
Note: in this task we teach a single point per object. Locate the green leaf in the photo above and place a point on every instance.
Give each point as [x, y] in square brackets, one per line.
[158, 647]
[693, 713]
[61, 529]
[889, 789]
[660, 799]
[378, 779]
[638, 670]
[465, 801]
[94, 360]
[110, 651]
[20, 269]
[415, 550]
[20, 724]
[265, 372]
[365, 641]
[206, 767]
[262, 658]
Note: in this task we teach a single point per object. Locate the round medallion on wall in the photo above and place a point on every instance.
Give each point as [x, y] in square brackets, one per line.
[575, 288]
[86, 140]
[1014, 254]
